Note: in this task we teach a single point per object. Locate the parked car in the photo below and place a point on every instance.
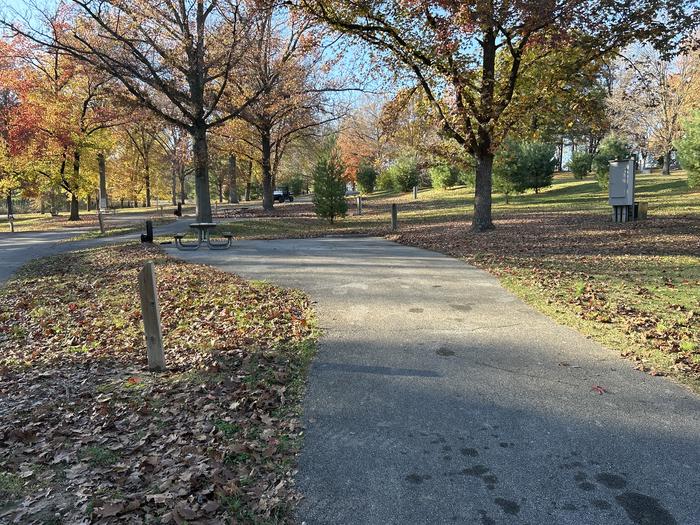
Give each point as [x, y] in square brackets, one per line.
[282, 194]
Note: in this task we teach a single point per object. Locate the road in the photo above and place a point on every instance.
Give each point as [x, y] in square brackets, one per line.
[19, 248]
[438, 397]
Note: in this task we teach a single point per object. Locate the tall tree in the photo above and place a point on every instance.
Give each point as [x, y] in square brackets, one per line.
[174, 57]
[74, 110]
[451, 48]
[17, 121]
[362, 139]
[286, 59]
[143, 135]
[173, 140]
[649, 97]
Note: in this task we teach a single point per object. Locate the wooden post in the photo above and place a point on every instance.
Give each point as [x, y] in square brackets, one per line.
[151, 317]
[359, 205]
[415, 192]
[394, 217]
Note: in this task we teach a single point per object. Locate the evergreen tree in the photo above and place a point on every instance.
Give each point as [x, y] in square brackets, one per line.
[537, 164]
[508, 175]
[404, 173]
[689, 149]
[580, 164]
[329, 185]
[443, 176]
[366, 178]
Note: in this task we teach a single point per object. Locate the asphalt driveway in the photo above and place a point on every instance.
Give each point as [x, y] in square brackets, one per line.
[438, 397]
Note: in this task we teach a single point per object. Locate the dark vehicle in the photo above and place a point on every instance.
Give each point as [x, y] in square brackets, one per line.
[282, 194]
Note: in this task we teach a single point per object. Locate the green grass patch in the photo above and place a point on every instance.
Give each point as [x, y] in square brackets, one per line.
[99, 456]
[11, 487]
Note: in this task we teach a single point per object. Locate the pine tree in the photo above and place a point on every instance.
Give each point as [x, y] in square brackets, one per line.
[329, 186]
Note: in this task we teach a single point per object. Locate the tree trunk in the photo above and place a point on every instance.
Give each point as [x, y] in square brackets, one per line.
[173, 187]
[232, 182]
[560, 156]
[103, 181]
[268, 201]
[248, 184]
[482, 194]
[201, 172]
[484, 135]
[9, 204]
[183, 195]
[74, 208]
[667, 164]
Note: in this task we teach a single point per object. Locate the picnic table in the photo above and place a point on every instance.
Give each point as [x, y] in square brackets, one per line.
[203, 229]
[203, 236]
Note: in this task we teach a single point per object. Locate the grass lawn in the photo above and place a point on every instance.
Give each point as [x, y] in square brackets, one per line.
[89, 435]
[633, 287]
[115, 224]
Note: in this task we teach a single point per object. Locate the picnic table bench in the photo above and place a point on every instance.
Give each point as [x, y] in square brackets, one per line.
[203, 236]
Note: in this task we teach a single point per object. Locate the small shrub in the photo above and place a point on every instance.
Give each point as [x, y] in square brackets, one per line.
[366, 178]
[467, 177]
[580, 164]
[443, 176]
[386, 182]
[689, 149]
[329, 186]
[611, 148]
[536, 164]
[694, 179]
[404, 173]
[507, 173]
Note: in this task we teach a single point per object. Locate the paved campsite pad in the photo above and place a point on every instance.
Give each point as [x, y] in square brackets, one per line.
[438, 397]
[17, 249]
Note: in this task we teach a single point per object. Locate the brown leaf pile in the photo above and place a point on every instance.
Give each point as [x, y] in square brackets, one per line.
[297, 209]
[87, 435]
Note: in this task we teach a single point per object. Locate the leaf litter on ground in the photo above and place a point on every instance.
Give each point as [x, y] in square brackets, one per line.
[88, 435]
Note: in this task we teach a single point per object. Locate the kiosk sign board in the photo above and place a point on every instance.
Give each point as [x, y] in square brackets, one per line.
[621, 186]
[621, 189]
